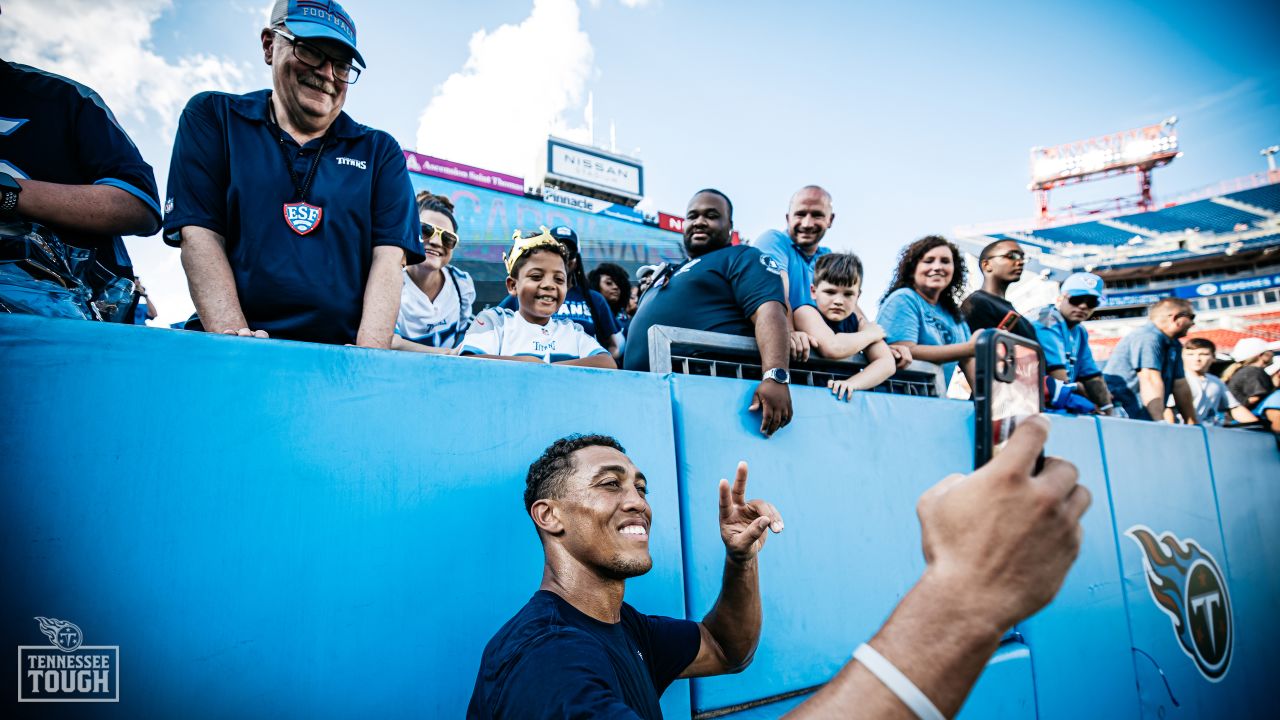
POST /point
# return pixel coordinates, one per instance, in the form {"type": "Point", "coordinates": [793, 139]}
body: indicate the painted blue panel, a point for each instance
{"type": "Point", "coordinates": [1006, 688]}
{"type": "Point", "coordinates": [1159, 478]}
{"type": "Point", "coordinates": [1246, 475]}
{"type": "Point", "coordinates": [1083, 635]}
{"type": "Point", "coordinates": [286, 529]}
{"type": "Point", "coordinates": [845, 477]}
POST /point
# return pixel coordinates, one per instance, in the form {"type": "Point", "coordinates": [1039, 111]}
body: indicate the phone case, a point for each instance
{"type": "Point", "coordinates": [986, 358]}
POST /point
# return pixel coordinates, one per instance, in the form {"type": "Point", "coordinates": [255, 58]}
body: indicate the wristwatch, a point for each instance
{"type": "Point", "coordinates": [778, 375]}
{"type": "Point", "coordinates": [9, 189]}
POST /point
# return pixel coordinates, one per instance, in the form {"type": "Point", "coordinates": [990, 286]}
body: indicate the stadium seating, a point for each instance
{"type": "Point", "coordinates": [1267, 315]}
{"type": "Point", "coordinates": [1090, 233]}
{"type": "Point", "coordinates": [1266, 331]}
{"type": "Point", "coordinates": [1204, 215]}
{"type": "Point", "coordinates": [1266, 197]}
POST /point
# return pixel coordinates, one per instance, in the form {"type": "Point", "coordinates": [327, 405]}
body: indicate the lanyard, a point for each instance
{"type": "Point", "coordinates": [300, 188]}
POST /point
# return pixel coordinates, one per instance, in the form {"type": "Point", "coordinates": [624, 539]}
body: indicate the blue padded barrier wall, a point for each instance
{"type": "Point", "coordinates": [272, 529]}
{"type": "Point", "coordinates": [284, 529]}
{"type": "Point", "coordinates": [1247, 481]}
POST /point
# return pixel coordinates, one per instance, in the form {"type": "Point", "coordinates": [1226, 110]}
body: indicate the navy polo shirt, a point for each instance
{"type": "Point", "coordinates": [227, 175]}
{"type": "Point", "coordinates": [56, 130]}
{"type": "Point", "coordinates": [718, 292]}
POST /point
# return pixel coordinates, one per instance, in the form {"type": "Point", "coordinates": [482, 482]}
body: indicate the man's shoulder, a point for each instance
{"type": "Point", "coordinates": [771, 239]}
{"type": "Point", "coordinates": [538, 625]}
{"type": "Point", "coordinates": [1048, 317]}
{"type": "Point", "coordinates": [48, 84]}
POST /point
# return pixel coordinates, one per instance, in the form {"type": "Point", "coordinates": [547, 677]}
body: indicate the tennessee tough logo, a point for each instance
{"type": "Point", "coordinates": [1187, 584]}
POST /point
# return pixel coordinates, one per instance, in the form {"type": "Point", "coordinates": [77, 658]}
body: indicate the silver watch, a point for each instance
{"type": "Point", "coordinates": [778, 375]}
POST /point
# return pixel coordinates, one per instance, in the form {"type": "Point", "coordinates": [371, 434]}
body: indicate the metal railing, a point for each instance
{"type": "Point", "coordinates": [698, 352]}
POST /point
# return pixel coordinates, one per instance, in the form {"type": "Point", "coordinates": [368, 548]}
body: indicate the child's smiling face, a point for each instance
{"type": "Point", "coordinates": [836, 302]}
{"type": "Point", "coordinates": [540, 286]}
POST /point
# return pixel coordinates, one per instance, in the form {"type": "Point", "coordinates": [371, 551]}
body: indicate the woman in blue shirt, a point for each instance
{"type": "Point", "coordinates": [921, 308]}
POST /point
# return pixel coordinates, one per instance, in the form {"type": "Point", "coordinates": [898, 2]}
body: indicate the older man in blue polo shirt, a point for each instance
{"type": "Point", "coordinates": [294, 220]}
{"type": "Point", "coordinates": [1146, 366]}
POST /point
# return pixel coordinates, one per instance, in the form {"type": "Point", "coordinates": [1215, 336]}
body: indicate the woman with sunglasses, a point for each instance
{"type": "Point", "coordinates": [435, 298]}
{"type": "Point", "coordinates": [921, 308]}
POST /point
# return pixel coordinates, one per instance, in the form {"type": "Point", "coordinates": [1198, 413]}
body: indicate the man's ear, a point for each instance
{"type": "Point", "coordinates": [511, 285]}
{"type": "Point", "coordinates": [268, 45]}
{"type": "Point", "coordinates": [546, 515]}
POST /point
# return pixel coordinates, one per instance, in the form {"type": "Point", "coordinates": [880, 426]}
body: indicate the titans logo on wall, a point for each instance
{"type": "Point", "coordinates": [1186, 583]}
{"type": "Point", "coordinates": [302, 217]}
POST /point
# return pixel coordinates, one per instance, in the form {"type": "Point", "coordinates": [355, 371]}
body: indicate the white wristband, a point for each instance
{"type": "Point", "coordinates": [897, 683]}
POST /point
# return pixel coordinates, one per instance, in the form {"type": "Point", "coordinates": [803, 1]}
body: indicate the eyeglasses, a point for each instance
{"type": "Point", "coordinates": [448, 239]}
{"type": "Point", "coordinates": [1088, 301]}
{"type": "Point", "coordinates": [313, 57]}
{"type": "Point", "coordinates": [1014, 256]}
{"type": "Point", "coordinates": [1188, 315]}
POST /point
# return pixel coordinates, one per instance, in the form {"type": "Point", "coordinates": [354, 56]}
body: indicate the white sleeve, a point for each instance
{"type": "Point", "coordinates": [587, 345]}
{"type": "Point", "coordinates": [484, 337]}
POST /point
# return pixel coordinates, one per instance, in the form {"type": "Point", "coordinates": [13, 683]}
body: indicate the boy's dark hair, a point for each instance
{"type": "Point", "coordinates": [619, 276]}
{"type": "Point", "coordinates": [524, 257]}
{"type": "Point", "coordinates": [436, 203]}
{"type": "Point", "coordinates": [547, 474]}
{"type": "Point", "coordinates": [724, 197]}
{"type": "Point", "coordinates": [990, 249]}
{"type": "Point", "coordinates": [1201, 344]}
{"type": "Point", "coordinates": [842, 269]}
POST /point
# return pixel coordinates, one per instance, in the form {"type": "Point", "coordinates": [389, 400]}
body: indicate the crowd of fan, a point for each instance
{"type": "Point", "coordinates": [296, 222]}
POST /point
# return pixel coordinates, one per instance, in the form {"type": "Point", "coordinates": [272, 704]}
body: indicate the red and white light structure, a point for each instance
{"type": "Point", "coordinates": [1139, 151]}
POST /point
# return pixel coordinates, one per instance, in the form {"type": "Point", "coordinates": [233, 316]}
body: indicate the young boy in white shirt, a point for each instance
{"type": "Point", "coordinates": [538, 278]}
{"type": "Point", "coordinates": [1212, 399]}
{"type": "Point", "coordinates": [837, 329]}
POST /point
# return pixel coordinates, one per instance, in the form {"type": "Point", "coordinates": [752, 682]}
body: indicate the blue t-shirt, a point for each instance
{"type": "Point", "coordinates": [56, 130]}
{"type": "Point", "coordinates": [1065, 348]}
{"type": "Point", "coordinates": [227, 175]}
{"type": "Point", "coordinates": [1144, 348]}
{"type": "Point", "coordinates": [553, 661]}
{"type": "Point", "coordinates": [908, 317]}
{"type": "Point", "coordinates": [797, 267]}
{"type": "Point", "coordinates": [717, 292]}
{"type": "Point", "coordinates": [1270, 402]}
{"type": "Point", "coordinates": [577, 308]}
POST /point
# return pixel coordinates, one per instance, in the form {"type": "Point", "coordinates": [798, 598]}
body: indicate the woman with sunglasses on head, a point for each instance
{"type": "Point", "coordinates": [921, 308]}
{"type": "Point", "coordinates": [436, 298]}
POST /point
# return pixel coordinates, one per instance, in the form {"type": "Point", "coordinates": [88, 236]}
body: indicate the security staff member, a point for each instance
{"type": "Point", "coordinates": [294, 220]}
{"type": "Point", "coordinates": [723, 288]}
{"type": "Point", "coordinates": [66, 163]}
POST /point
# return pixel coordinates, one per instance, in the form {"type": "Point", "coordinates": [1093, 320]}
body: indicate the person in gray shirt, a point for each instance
{"type": "Point", "coordinates": [1146, 367]}
{"type": "Point", "coordinates": [1214, 402]}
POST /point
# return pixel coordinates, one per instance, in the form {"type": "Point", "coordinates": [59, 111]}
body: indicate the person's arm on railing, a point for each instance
{"type": "Point", "coordinates": [381, 298]}
{"type": "Point", "coordinates": [881, 368]}
{"type": "Point", "coordinates": [100, 209]}
{"type": "Point", "coordinates": [1186, 405]}
{"type": "Point", "coordinates": [773, 337]}
{"type": "Point", "coordinates": [1151, 393]}
{"type": "Point", "coordinates": [212, 285]}
{"type": "Point", "coordinates": [998, 544]}
{"type": "Point", "coordinates": [831, 344]}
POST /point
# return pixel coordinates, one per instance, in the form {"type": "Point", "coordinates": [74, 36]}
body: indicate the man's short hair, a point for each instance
{"type": "Point", "coordinates": [547, 474]}
{"type": "Point", "coordinates": [1168, 303]}
{"type": "Point", "coordinates": [990, 249]}
{"type": "Point", "coordinates": [724, 197]}
{"type": "Point", "coordinates": [840, 269]}
{"type": "Point", "coordinates": [1200, 343]}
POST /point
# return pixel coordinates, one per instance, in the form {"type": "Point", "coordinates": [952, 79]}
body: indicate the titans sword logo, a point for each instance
{"type": "Point", "coordinates": [1187, 584]}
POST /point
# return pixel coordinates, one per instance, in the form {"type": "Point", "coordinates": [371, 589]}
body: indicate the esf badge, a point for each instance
{"type": "Point", "coordinates": [1187, 583]}
{"type": "Point", "coordinates": [303, 217]}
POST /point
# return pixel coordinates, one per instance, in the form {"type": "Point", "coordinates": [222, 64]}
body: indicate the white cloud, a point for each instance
{"type": "Point", "coordinates": [515, 88]}
{"type": "Point", "coordinates": [108, 47]}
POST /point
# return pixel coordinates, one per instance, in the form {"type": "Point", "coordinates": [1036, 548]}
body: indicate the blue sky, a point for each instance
{"type": "Point", "coordinates": [918, 117]}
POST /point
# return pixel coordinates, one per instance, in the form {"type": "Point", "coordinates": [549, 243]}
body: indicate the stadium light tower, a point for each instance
{"type": "Point", "coordinates": [1139, 151]}
{"type": "Point", "coordinates": [1270, 154]}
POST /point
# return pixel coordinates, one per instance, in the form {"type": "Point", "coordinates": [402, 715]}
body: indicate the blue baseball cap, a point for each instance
{"type": "Point", "coordinates": [566, 235]}
{"type": "Point", "coordinates": [1082, 284]}
{"type": "Point", "coordinates": [317, 19]}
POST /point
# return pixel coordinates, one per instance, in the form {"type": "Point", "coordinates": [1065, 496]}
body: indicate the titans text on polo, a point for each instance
{"type": "Point", "coordinates": [56, 130]}
{"type": "Point", "coordinates": [301, 282]}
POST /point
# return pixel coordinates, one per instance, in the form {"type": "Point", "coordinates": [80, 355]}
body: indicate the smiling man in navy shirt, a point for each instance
{"type": "Point", "coordinates": [294, 220]}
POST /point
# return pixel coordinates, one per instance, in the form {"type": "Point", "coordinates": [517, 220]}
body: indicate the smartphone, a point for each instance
{"type": "Point", "coordinates": [1010, 319]}
{"type": "Point", "coordinates": [1008, 387]}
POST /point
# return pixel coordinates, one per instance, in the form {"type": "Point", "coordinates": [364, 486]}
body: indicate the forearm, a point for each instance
{"type": "Point", "coordinates": [735, 619]}
{"type": "Point", "coordinates": [1186, 406]}
{"type": "Point", "coordinates": [773, 332]}
{"type": "Point", "coordinates": [602, 360]}
{"type": "Point", "coordinates": [101, 209]}
{"type": "Point", "coordinates": [1095, 389]}
{"type": "Point", "coordinates": [940, 354]}
{"type": "Point", "coordinates": [381, 298]}
{"type": "Point", "coordinates": [881, 368]}
{"type": "Point", "coordinates": [209, 279]}
{"type": "Point", "coordinates": [938, 637]}
{"type": "Point", "coordinates": [843, 345]}
{"type": "Point", "coordinates": [1241, 415]}
{"type": "Point", "coordinates": [399, 343]}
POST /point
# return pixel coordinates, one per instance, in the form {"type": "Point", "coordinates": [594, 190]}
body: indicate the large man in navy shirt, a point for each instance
{"type": "Point", "coordinates": [293, 219]}
{"type": "Point", "coordinates": [723, 288]}
{"type": "Point", "coordinates": [66, 163]}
